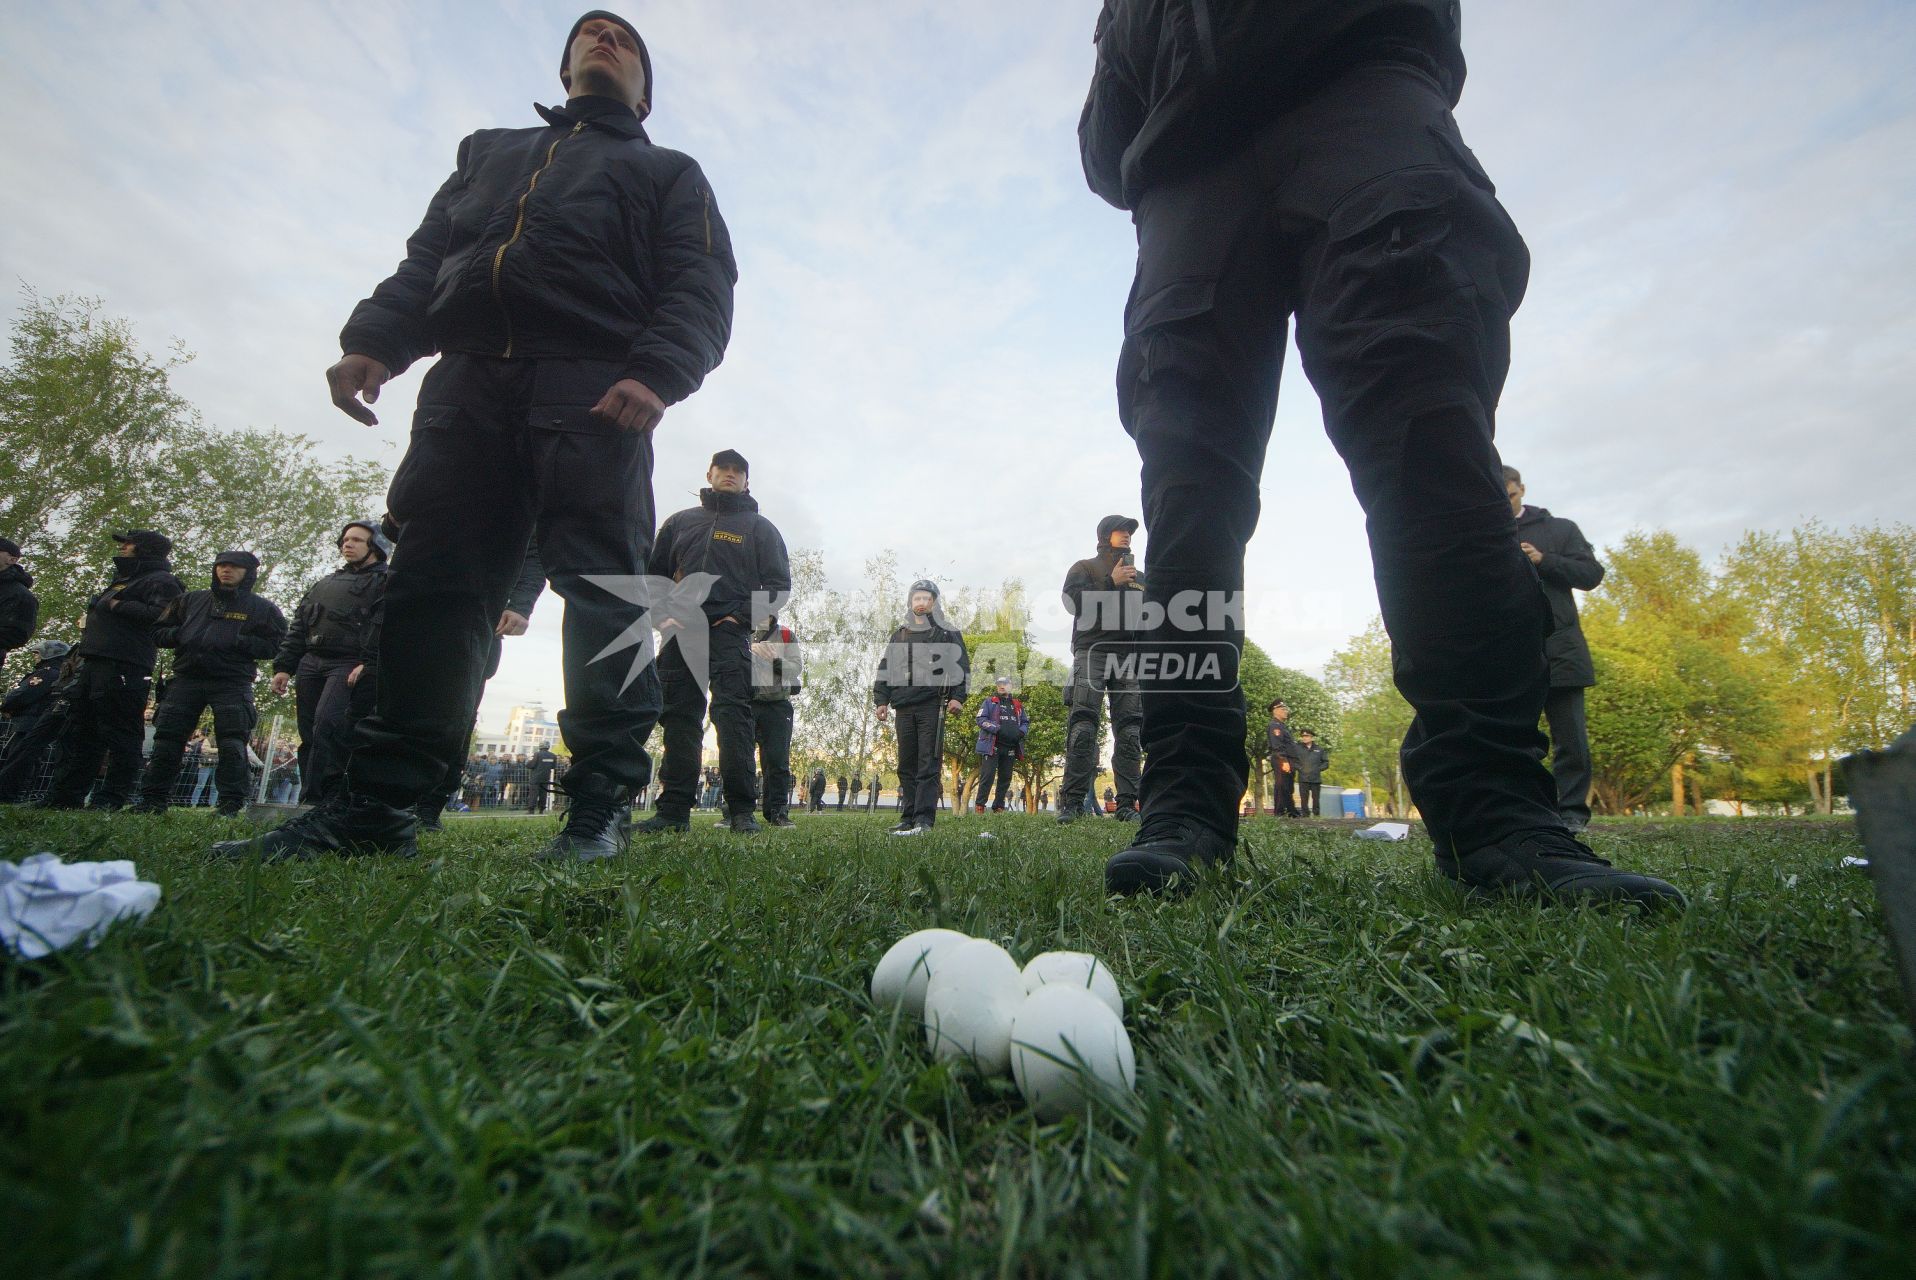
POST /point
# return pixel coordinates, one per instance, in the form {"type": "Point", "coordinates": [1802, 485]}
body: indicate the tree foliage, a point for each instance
{"type": "Point", "coordinates": [1373, 717]}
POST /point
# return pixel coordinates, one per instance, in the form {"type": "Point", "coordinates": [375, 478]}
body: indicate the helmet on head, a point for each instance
{"type": "Point", "coordinates": [382, 545]}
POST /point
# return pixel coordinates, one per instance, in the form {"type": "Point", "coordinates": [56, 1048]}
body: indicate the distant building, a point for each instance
{"type": "Point", "coordinates": [527, 729]}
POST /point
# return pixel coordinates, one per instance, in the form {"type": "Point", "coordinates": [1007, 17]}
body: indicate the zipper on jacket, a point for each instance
{"type": "Point", "coordinates": [707, 193]}
{"type": "Point", "coordinates": [519, 226]}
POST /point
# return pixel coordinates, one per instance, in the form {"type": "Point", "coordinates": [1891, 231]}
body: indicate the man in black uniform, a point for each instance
{"type": "Point", "coordinates": [576, 281]}
{"type": "Point", "coordinates": [36, 711]}
{"type": "Point", "coordinates": [219, 637]}
{"type": "Point", "coordinates": [1280, 748]}
{"type": "Point", "coordinates": [332, 634]}
{"type": "Point", "coordinates": [922, 676]}
{"type": "Point", "coordinates": [1105, 596]}
{"type": "Point", "coordinates": [817, 790]}
{"type": "Point", "coordinates": [1282, 159]}
{"type": "Point", "coordinates": [728, 541]}
{"type": "Point", "coordinates": [19, 607]}
{"type": "Point", "coordinates": [1565, 563]}
{"type": "Point", "coordinates": [1312, 760]}
{"type": "Point", "coordinates": [777, 672]}
{"type": "Point", "coordinates": [107, 709]}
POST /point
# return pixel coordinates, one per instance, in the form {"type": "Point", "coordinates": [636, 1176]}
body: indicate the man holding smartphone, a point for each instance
{"type": "Point", "coordinates": [1105, 595]}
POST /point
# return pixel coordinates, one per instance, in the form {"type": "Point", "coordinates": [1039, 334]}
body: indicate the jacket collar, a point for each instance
{"type": "Point", "coordinates": [126, 567]}
{"type": "Point", "coordinates": [16, 573]}
{"type": "Point", "coordinates": [601, 113]}
{"type": "Point", "coordinates": [713, 500]}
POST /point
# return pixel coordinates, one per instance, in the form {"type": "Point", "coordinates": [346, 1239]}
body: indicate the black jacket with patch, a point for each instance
{"type": "Point", "coordinates": [578, 240]}
{"type": "Point", "coordinates": [1182, 83]}
{"type": "Point", "coordinates": [1569, 565]}
{"type": "Point", "coordinates": [28, 699]}
{"type": "Point", "coordinates": [725, 535]}
{"type": "Point", "coordinates": [338, 617]}
{"type": "Point", "coordinates": [120, 620]}
{"type": "Point", "coordinates": [222, 633]}
{"type": "Point", "coordinates": [923, 662]}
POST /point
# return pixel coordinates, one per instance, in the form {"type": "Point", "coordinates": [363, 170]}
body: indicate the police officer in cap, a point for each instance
{"type": "Point", "coordinates": [727, 539]}
{"type": "Point", "coordinates": [1104, 594]}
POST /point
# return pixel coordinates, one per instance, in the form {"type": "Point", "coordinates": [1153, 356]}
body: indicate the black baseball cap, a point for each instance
{"type": "Point", "coordinates": [9, 546]}
{"type": "Point", "coordinates": [731, 458]}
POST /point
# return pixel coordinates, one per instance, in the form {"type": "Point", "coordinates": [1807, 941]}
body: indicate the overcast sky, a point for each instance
{"type": "Point", "coordinates": [1718, 198]}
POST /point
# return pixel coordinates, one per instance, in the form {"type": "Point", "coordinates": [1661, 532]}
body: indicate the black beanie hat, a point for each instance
{"type": "Point", "coordinates": [645, 56]}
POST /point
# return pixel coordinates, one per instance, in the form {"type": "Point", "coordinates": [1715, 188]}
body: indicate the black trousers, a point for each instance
{"type": "Point", "coordinates": [1307, 797]}
{"type": "Point", "coordinates": [1569, 755]}
{"type": "Point", "coordinates": [1283, 792]}
{"type": "Point", "coordinates": [499, 449]}
{"type": "Point", "coordinates": [729, 672]}
{"type": "Point", "coordinates": [994, 775]}
{"type": "Point", "coordinates": [106, 720]}
{"type": "Point", "coordinates": [921, 733]}
{"type": "Point", "coordinates": [323, 704]}
{"type": "Point", "coordinates": [181, 706]}
{"type": "Point", "coordinates": [1361, 213]}
{"type": "Point", "coordinates": [1093, 685]}
{"type": "Point", "coordinates": [772, 729]}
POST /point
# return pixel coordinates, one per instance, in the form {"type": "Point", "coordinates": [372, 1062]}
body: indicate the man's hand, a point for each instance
{"type": "Point", "coordinates": [280, 682]}
{"type": "Point", "coordinates": [954, 706]}
{"type": "Point", "coordinates": [352, 677]}
{"type": "Point", "coordinates": [1536, 556]}
{"type": "Point", "coordinates": [360, 376]}
{"type": "Point", "coordinates": [884, 713]}
{"type": "Point", "coordinates": [630, 406]}
{"type": "Point", "coordinates": [1124, 575]}
{"type": "Point", "coordinates": [511, 624]}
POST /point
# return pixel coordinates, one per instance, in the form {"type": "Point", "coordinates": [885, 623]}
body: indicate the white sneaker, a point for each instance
{"type": "Point", "coordinates": [911, 831]}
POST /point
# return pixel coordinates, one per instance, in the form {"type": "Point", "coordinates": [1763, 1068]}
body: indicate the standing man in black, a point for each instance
{"type": "Point", "coordinates": [816, 789]}
{"type": "Point", "coordinates": [777, 673]}
{"type": "Point", "coordinates": [19, 607]}
{"type": "Point", "coordinates": [726, 539]}
{"type": "Point", "coordinates": [1280, 160]}
{"type": "Point", "coordinates": [1105, 596]}
{"type": "Point", "coordinates": [219, 636]}
{"type": "Point", "coordinates": [333, 630]}
{"type": "Point", "coordinates": [107, 707]}
{"type": "Point", "coordinates": [539, 769]}
{"type": "Point", "coordinates": [1312, 760]}
{"type": "Point", "coordinates": [1280, 748]}
{"type": "Point", "coordinates": [1565, 563]}
{"type": "Point", "coordinates": [922, 677]}
{"type": "Point", "coordinates": [576, 280]}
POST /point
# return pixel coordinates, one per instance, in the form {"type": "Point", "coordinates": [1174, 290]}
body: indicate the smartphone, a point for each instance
{"type": "Point", "coordinates": [1128, 560]}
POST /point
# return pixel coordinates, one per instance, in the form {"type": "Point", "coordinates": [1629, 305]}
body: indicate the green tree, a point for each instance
{"type": "Point", "coordinates": [1312, 707]}
{"type": "Point", "coordinates": [98, 440]}
{"type": "Point", "coordinates": [1638, 729]}
{"type": "Point", "coordinates": [1834, 614]}
{"type": "Point", "coordinates": [1661, 603]}
{"type": "Point", "coordinates": [1373, 718]}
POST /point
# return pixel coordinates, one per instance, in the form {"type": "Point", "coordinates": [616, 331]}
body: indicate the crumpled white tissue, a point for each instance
{"type": "Point", "coordinates": [1385, 831]}
{"type": "Point", "coordinates": [47, 905]}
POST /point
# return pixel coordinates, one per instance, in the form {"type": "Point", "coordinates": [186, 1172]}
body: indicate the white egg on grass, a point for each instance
{"type": "Point", "coordinates": [902, 974]}
{"type": "Point", "coordinates": [1078, 969]}
{"type": "Point", "coordinates": [1060, 1036]}
{"type": "Point", "coordinates": [975, 988]}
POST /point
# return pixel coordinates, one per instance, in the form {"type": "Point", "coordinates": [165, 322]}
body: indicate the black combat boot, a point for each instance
{"type": "Point", "coordinates": [743, 824]}
{"type": "Point", "coordinates": [346, 825]}
{"type": "Point", "coordinates": [1555, 866]}
{"type": "Point", "coordinates": [1167, 857]}
{"type": "Point", "coordinates": [598, 822]}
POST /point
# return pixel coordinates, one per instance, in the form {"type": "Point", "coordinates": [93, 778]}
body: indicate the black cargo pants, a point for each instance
{"type": "Point", "coordinates": [106, 720]}
{"type": "Point", "coordinates": [728, 682]}
{"type": "Point", "coordinates": [1362, 213]}
{"type": "Point", "coordinates": [500, 448]}
{"type": "Point", "coordinates": [186, 699]}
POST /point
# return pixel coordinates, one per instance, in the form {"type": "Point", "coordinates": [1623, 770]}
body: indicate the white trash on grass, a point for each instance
{"type": "Point", "coordinates": [47, 905]}
{"type": "Point", "coordinates": [1385, 831]}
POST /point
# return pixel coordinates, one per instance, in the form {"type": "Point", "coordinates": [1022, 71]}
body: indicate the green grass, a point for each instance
{"type": "Point", "coordinates": [476, 1065]}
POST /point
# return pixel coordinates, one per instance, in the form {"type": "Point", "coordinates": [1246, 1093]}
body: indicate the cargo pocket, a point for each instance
{"type": "Point", "coordinates": [1166, 332]}
{"type": "Point", "coordinates": [1388, 237]}
{"type": "Point", "coordinates": [422, 473]}
{"type": "Point", "coordinates": [595, 491]}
